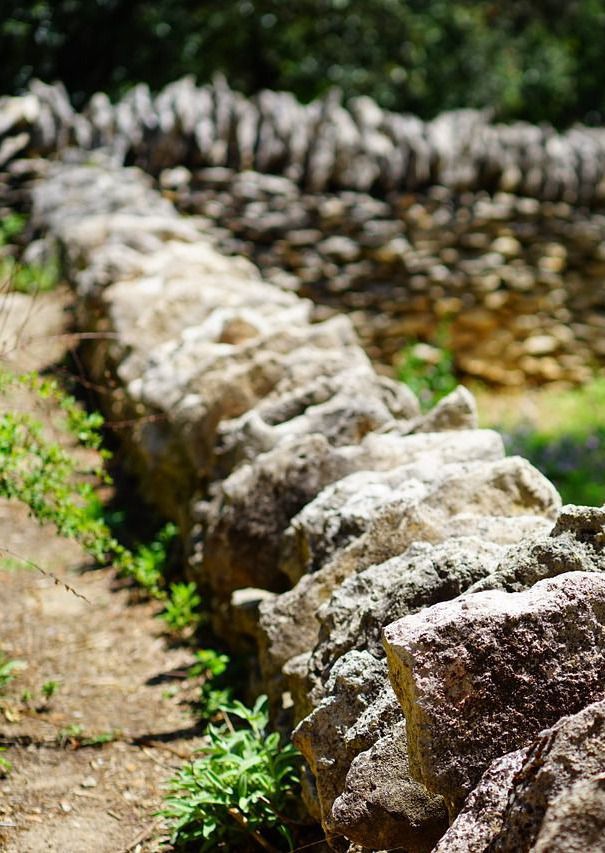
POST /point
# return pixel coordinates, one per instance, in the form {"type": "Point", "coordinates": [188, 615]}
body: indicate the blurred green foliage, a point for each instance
{"type": "Point", "coordinates": [429, 371]}
{"type": "Point", "coordinates": [535, 60]}
{"type": "Point", "coordinates": [566, 441]}
{"type": "Point", "coordinates": [26, 278]}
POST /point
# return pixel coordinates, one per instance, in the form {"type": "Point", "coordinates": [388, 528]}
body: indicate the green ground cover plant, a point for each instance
{"type": "Point", "coordinates": [60, 488]}
{"type": "Point", "coordinates": [241, 792]}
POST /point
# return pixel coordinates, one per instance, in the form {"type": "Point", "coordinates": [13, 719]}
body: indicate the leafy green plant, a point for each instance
{"type": "Point", "coordinates": [211, 666]}
{"type": "Point", "coordinates": [49, 688]}
{"type": "Point", "coordinates": [146, 564]}
{"type": "Point", "coordinates": [29, 278]}
{"type": "Point", "coordinates": [182, 607]}
{"type": "Point", "coordinates": [240, 791]}
{"type": "Point", "coordinates": [208, 663]}
{"type": "Point", "coordinates": [11, 226]}
{"type": "Point", "coordinates": [60, 489]}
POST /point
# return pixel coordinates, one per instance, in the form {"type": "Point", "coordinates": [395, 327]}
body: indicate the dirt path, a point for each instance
{"type": "Point", "coordinates": [118, 678]}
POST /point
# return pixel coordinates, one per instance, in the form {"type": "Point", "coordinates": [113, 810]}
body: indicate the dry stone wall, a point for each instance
{"type": "Point", "coordinates": [375, 555]}
{"type": "Point", "coordinates": [513, 285]}
{"type": "Point", "coordinates": [495, 230]}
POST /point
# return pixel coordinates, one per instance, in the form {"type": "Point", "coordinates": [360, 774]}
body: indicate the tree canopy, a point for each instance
{"type": "Point", "coordinates": [539, 60]}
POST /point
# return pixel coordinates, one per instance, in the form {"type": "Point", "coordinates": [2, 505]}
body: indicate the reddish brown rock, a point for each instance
{"type": "Point", "coordinates": [480, 676]}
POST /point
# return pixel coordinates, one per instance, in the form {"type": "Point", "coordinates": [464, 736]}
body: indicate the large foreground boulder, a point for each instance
{"type": "Point", "coordinates": [480, 676]}
{"type": "Point", "coordinates": [548, 797]}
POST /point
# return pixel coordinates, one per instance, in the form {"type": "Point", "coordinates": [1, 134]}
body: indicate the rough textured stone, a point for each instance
{"type": "Point", "coordinates": [263, 428]}
{"type": "Point", "coordinates": [289, 623]}
{"type": "Point", "coordinates": [482, 817]}
{"type": "Point", "coordinates": [254, 506]}
{"type": "Point", "coordinates": [503, 231]}
{"type": "Point", "coordinates": [457, 410]}
{"type": "Point", "coordinates": [381, 807]}
{"type": "Point", "coordinates": [367, 601]}
{"type": "Point", "coordinates": [576, 543]}
{"type": "Point", "coordinates": [325, 406]}
{"type": "Point", "coordinates": [557, 801]}
{"type": "Point", "coordinates": [509, 487]}
{"type": "Point", "coordinates": [359, 709]}
{"type": "Point", "coordinates": [344, 511]}
{"type": "Point", "coordinates": [549, 796]}
{"type": "Point", "coordinates": [477, 665]}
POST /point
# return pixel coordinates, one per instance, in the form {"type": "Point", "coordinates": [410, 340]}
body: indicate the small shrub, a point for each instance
{"type": "Point", "coordinates": [182, 607]}
{"type": "Point", "coordinates": [428, 371]}
{"type": "Point", "coordinates": [240, 791]}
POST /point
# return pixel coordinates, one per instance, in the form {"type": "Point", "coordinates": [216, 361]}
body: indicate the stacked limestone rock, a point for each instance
{"type": "Point", "coordinates": [322, 510]}
{"type": "Point", "coordinates": [495, 229]}
{"type": "Point", "coordinates": [318, 145]}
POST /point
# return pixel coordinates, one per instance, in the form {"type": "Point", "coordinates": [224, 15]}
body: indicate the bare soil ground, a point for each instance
{"type": "Point", "coordinates": [119, 677]}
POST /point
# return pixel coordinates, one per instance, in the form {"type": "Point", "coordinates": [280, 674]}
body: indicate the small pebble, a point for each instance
{"type": "Point", "coordinates": [89, 782]}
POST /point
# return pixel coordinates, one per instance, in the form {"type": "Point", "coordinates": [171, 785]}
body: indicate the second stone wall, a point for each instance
{"type": "Point", "coordinates": [512, 285]}
{"type": "Point", "coordinates": [495, 233]}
